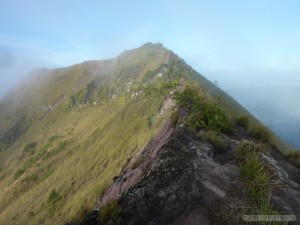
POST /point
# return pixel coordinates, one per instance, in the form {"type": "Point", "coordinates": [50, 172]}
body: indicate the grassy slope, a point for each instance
{"type": "Point", "coordinates": [80, 150]}
{"type": "Point", "coordinates": [100, 141]}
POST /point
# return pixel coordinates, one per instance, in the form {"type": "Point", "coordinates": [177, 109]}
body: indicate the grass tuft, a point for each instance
{"type": "Point", "coordinates": [294, 157]}
{"type": "Point", "coordinates": [262, 133]}
{"type": "Point", "coordinates": [243, 121]}
{"type": "Point", "coordinates": [219, 144]}
{"type": "Point", "coordinates": [109, 214]}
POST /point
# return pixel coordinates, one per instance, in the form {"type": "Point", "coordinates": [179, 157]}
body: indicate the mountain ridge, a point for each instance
{"type": "Point", "coordinates": [66, 138]}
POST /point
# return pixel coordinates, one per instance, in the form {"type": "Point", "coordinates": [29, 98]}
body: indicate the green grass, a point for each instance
{"type": "Point", "coordinates": [257, 178]}
{"type": "Point", "coordinates": [262, 133]}
{"type": "Point", "coordinates": [294, 157]}
{"type": "Point", "coordinates": [110, 213]}
{"type": "Point", "coordinates": [219, 144]}
{"type": "Point", "coordinates": [204, 113]}
{"type": "Point", "coordinates": [243, 121]}
{"type": "Point", "coordinates": [79, 150]}
{"type": "Point", "coordinates": [78, 155]}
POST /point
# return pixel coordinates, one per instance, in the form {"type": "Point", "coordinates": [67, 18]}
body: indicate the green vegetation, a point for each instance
{"type": "Point", "coordinates": [48, 145]}
{"type": "Point", "coordinates": [203, 112]}
{"type": "Point", "coordinates": [294, 157]}
{"type": "Point", "coordinates": [262, 133]}
{"type": "Point", "coordinates": [243, 121]}
{"type": "Point", "coordinates": [53, 201]}
{"type": "Point", "coordinates": [99, 146]}
{"type": "Point", "coordinates": [109, 214]}
{"type": "Point", "coordinates": [257, 178]}
{"type": "Point", "coordinates": [29, 148]}
{"type": "Point", "coordinates": [162, 90]}
{"type": "Point", "coordinates": [174, 117]}
{"type": "Point", "coordinates": [219, 144]}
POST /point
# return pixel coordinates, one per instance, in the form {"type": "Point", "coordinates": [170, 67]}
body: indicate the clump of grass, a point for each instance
{"type": "Point", "coordinates": [174, 117]}
{"type": "Point", "coordinates": [19, 172]}
{"type": "Point", "coordinates": [246, 148]}
{"type": "Point", "coordinates": [109, 214]}
{"type": "Point", "coordinates": [216, 140]}
{"type": "Point", "coordinates": [263, 207]}
{"type": "Point", "coordinates": [262, 133]}
{"type": "Point", "coordinates": [52, 201]}
{"type": "Point", "coordinates": [294, 157]}
{"type": "Point", "coordinates": [53, 138]}
{"type": "Point", "coordinates": [29, 148]}
{"type": "Point", "coordinates": [243, 121]}
{"type": "Point", "coordinates": [138, 162]}
{"type": "Point", "coordinates": [256, 176]}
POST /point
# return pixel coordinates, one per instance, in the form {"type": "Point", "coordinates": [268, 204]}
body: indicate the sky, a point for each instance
{"type": "Point", "coordinates": [236, 42]}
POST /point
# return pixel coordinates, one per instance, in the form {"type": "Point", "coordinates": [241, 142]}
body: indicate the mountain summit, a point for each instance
{"type": "Point", "coordinates": [138, 139]}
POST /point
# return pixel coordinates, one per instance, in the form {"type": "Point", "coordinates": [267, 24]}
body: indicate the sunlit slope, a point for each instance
{"type": "Point", "coordinates": [73, 130]}
{"type": "Point", "coordinates": [65, 133]}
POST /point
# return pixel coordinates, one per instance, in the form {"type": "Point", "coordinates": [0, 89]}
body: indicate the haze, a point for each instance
{"type": "Point", "coordinates": [238, 43]}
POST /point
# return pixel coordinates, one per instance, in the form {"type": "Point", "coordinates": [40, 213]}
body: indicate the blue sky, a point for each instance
{"type": "Point", "coordinates": [226, 40]}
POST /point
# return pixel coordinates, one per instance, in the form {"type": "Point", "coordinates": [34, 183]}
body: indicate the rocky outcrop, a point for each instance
{"type": "Point", "coordinates": [138, 165]}
{"type": "Point", "coordinates": [183, 180]}
{"type": "Point", "coordinates": [186, 186]}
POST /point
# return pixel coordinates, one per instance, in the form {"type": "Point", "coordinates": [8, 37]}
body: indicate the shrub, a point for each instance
{"type": "Point", "coordinates": [203, 113]}
{"type": "Point", "coordinates": [109, 214]}
{"type": "Point", "coordinates": [243, 121]}
{"type": "Point", "coordinates": [52, 201]}
{"type": "Point", "coordinates": [216, 118]}
{"type": "Point", "coordinates": [262, 133]}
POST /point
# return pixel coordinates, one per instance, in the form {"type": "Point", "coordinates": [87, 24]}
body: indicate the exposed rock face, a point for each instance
{"type": "Point", "coordinates": [133, 173]}
{"type": "Point", "coordinates": [185, 181]}
{"type": "Point", "coordinates": [186, 186]}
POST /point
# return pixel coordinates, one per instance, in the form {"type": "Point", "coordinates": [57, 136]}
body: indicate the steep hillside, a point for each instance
{"type": "Point", "coordinates": [67, 135]}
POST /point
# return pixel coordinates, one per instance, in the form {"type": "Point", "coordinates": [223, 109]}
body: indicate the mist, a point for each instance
{"type": "Point", "coordinates": [272, 97]}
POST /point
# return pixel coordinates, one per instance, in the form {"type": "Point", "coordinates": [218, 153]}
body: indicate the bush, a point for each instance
{"type": "Point", "coordinates": [52, 201]}
{"type": "Point", "coordinates": [109, 214]}
{"type": "Point", "coordinates": [262, 133]}
{"type": "Point", "coordinates": [243, 121]}
{"type": "Point", "coordinates": [203, 113]}
{"type": "Point", "coordinates": [216, 118]}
